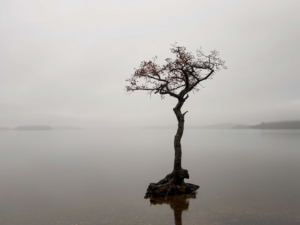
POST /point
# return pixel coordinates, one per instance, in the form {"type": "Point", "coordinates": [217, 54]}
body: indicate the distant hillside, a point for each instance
{"type": "Point", "coordinates": [67, 128]}
{"type": "Point", "coordinates": [214, 126]}
{"type": "Point", "coordinates": [272, 125]}
{"type": "Point", "coordinates": [34, 127]}
{"type": "Point", "coordinates": [240, 126]}
{"type": "Point", "coordinates": [159, 127]}
{"type": "Point", "coordinates": [4, 128]}
{"type": "Point", "coordinates": [278, 125]}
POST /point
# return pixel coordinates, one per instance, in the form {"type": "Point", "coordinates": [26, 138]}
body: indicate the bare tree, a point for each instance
{"type": "Point", "coordinates": [177, 78]}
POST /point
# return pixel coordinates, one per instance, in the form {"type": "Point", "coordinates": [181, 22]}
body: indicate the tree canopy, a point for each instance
{"type": "Point", "coordinates": [177, 77]}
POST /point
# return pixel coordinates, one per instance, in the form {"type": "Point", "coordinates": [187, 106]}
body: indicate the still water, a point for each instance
{"type": "Point", "coordinates": [100, 177]}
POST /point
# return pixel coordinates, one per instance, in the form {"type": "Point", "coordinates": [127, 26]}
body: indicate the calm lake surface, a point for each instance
{"type": "Point", "coordinates": [100, 177]}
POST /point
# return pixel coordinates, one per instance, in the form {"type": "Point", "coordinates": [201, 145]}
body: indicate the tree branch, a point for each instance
{"type": "Point", "coordinates": [177, 77]}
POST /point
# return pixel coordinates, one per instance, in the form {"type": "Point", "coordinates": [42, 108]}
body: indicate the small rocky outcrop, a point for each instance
{"type": "Point", "coordinates": [159, 190]}
{"type": "Point", "coordinates": [170, 186]}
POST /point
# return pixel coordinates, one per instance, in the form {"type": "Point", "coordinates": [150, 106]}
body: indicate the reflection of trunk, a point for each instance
{"type": "Point", "coordinates": [178, 217]}
{"type": "Point", "coordinates": [177, 203]}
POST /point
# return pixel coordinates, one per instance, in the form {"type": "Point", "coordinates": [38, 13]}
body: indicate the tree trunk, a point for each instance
{"type": "Point", "coordinates": [178, 173]}
{"type": "Point", "coordinates": [173, 183]}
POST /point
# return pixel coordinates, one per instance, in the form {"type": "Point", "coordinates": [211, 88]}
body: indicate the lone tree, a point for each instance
{"type": "Point", "coordinates": [177, 78]}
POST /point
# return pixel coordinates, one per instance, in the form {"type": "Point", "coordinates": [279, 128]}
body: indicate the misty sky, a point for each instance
{"type": "Point", "coordinates": [64, 62]}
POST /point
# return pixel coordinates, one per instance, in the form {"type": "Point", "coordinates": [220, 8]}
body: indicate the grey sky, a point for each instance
{"type": "Point", "coordinates": [64, 62]}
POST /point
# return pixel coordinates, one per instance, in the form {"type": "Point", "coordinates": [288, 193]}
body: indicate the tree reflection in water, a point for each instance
{"type": "Point", "coordinates": [178, 203]}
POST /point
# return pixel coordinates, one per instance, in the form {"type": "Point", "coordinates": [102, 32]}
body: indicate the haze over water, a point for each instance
{"type": "Point", "coordinates": [65, 62]}
{"type": "Point", "coordinates": [100, 176]}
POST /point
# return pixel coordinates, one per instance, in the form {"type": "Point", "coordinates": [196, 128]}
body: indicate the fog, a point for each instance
{"type": "Point", "coordinates": [65, 62]}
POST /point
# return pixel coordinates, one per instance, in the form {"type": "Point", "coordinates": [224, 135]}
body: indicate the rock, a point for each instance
{"type": "Point", "coordinates": [158, 190]}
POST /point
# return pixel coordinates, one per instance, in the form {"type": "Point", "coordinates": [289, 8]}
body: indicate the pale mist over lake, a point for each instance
{"type": "Point", "coordinates": [88, 92]}
{"type": "Point", "coordinates": [100, 176]}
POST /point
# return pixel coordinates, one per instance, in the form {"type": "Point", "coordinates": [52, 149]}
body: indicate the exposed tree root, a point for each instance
{"type": "Point", "coordinates": [170, 186]}
{"type": "Point", "coordinates": [165, 190]}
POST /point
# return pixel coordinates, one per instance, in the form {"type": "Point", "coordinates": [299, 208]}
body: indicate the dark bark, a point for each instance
{"type": "Point", "coordinates": [173, 183]}
{"type": "Point", "coordinates": [178, 173]}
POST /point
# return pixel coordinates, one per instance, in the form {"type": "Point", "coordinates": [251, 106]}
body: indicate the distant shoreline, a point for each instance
{"type": "Point", "coordinates": [34, 127]}
{"type": "Point", "coordinates": [39, 128]}
{"type": "Point", "coordinates": [276, 125]}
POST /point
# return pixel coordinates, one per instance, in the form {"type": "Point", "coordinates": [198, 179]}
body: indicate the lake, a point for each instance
{"type": "Point", "coordinates": [100, 177]}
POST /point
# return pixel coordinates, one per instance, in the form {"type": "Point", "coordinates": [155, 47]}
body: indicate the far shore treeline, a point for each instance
{"type": "Point", "coordinates": [272, 125]}
{"type": "Point", "coordinates": [41, 127]}
{"type": "Point", "coordinates": [295, 124]}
